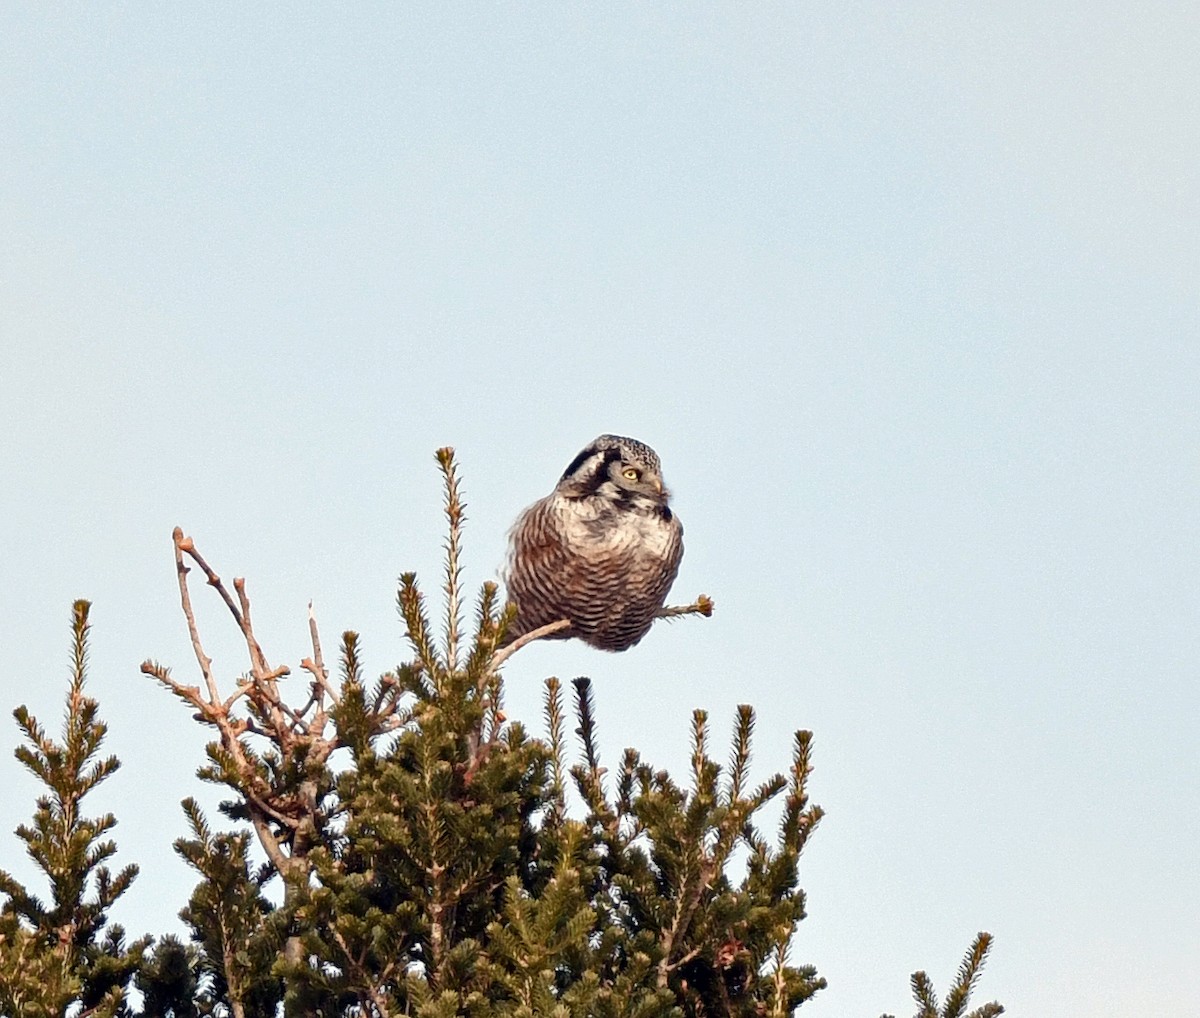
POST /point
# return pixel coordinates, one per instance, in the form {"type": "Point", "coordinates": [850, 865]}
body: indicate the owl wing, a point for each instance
{"type": "Point", "coordinates": [542, 570]}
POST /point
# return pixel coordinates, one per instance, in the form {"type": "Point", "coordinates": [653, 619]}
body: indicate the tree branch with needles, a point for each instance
{"type": "Point", "coordinates": [275, 755]}
{"type": "Point", "coordinates": [256, 710]}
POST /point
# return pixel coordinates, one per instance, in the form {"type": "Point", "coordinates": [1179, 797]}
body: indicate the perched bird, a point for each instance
{"type": "Point", "coordinates": [602, 549]}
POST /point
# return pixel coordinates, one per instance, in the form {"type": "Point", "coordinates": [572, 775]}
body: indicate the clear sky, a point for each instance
{"type": "Point", "coordinates": [905, 296]}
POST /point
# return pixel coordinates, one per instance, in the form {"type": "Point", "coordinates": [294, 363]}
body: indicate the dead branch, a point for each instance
{"type": "Point", "coordinates": [185, 597]}
{"type": "Point", "coordinates": [315, 665]}
{"type": "Point", "coordinates": [279, 816]}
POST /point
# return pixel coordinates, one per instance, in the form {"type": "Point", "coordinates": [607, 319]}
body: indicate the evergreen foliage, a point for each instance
{"type": "Point", "coordinates": [229, 917]}
{"type": "Point", "coordinates": [436, 859]}
{"type": "Point", "coordinates": [960, 993]}
{"type": "Point", "coordinates": [64, 951]}
{"type": "Point", "coordinates": [169, 981]}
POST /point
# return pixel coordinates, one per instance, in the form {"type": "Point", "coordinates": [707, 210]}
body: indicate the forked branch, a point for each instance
{"type": "Point", "coordinates": [283, 810]}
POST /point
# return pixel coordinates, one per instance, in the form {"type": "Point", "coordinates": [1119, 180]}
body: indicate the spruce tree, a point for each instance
{"type": "Point", "coordinates": [434, 858]}
{"type": "Point", "coordinates": [63, 952]}
{"type": "Point", "coordinates": [959, 996]}
{"type": "Point", "coordinates": [441, 866]}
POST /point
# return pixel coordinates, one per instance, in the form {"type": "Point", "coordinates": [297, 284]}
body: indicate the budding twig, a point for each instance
{"type": "Point", "coordinates": [703, 605]}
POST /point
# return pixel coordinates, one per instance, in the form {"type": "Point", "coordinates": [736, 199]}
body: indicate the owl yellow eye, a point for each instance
{"type": "Point", "coordinates": [630, 474]}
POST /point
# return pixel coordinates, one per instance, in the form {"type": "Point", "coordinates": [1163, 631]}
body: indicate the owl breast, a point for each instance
{"type": "Point", "coordinates": [605, 567]}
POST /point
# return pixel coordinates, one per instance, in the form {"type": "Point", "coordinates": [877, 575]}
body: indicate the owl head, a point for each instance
{"type": "Point", "coordinates": [622, 469]}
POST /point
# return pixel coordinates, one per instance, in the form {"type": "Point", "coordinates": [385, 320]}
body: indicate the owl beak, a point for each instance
{"type": "Point", "coordinates": [658, 485]}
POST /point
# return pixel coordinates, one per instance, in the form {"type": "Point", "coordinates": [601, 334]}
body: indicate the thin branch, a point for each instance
{"type": "Point", "coordinates": [691, 955]}
{"type": "Point", "coordinates": [378, 1001]}
{"type": "Point", "coordinates": [256, 654]}
{"type": "Point", "coordinates": [703, 605]}
{"type": "Point", "coordinates": [183, 544]}
{"type": "Point", "coordinates": [685, 908]}
{"type": "Point", "coordinates": [265, 675]}
{"type": "Point", "coordinates": [549, 629]}
{"type": "Point", "coordinates": [265, 807]}
{"type": "Point", "coordinates": [266, 838]}
{"type": "Point", "coordinates": [315, 665]}
{"type": "Point", "coordinates": [779, 977]}
{"type": "Point", "coordinates": [268, 692]}
{"type": "Point", "coordinates": [258, 660]}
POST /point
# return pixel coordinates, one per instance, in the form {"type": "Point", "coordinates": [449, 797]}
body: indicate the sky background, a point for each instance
{"type": "Point", "coordinates": [905, 297]}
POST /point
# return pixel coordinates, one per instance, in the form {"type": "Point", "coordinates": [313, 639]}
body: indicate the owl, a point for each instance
{"type": "Point", "coordinates": [602, 549]}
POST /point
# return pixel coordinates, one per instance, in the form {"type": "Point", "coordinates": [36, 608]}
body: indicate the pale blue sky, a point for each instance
{"type": "Point", "coordinates": [905, 296]}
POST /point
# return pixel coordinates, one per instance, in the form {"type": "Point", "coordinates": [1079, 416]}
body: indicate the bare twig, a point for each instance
{"type": "Point", "coordinates": [703, 605]}
{"type": "Point", "coordinates": [264, 675]}
{"type": "Point", "coordinates": [281, 817]}
{"type": "Point", "coordinates": [315, 665]}
{"type": "Point", "coordinates": [185, 544]}
{"type": "Point", "coordinates": [549, 629]}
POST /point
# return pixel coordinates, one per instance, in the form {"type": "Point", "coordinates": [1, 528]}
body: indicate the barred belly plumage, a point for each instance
{"type": "Point", "coordinates": [601, 551]}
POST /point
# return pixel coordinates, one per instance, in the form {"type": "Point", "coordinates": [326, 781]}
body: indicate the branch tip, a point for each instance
{"type": "Point", "coordinates": [703, 605]}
